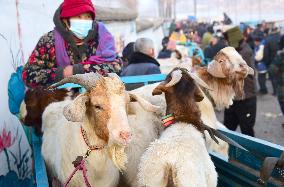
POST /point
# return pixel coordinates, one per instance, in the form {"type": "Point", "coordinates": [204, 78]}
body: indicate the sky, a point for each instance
{"type": "Point", "coordinates": [238, 10]}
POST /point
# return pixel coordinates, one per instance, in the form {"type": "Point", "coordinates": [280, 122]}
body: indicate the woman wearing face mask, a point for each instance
{"type": "Point", "coordinates": [77, 45]}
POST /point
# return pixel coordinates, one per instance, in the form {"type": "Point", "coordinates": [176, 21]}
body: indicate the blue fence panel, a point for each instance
{"type": "Point", "coordinates": [130, 80]}
{"type": "Point", "coordinates": [143, 78]}
{"type": "Point", "coordinates": [40, 170]}
{"type": "Point", "coordinates": [243, 166]}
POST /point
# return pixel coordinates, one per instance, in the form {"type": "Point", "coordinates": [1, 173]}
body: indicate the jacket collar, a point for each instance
{"type": "Point", "coordinates": [138, 57]}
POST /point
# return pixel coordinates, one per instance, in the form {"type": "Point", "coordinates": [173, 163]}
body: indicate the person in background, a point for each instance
{"type": "Point", "coordinates": [178, 36]}
{"type": "Point", "coordinates": [277, 68]}
{"type": "Point", "coordinates": [77, 45]}
{"type": "Point", "coordinates": [142, 61]}
{"type": "Point", "coordinates": [270, 50]}
{"type": "Point", "coordinates": [165, 52]}
{"type": "Point", "coordinates": [243, 110]}
{"type": "Point", "coordinates": [126, 53]}
{"type": "Point", "coordinates": [247, 33]}
{"type": "Point", "coordinates": [196, 38]}
{"type": "Point", "coordinates": [261, 67]}
{"type": "Point", "coordinates": [216, 44]}
{"type": "Point", "coordinates": [206, 38]}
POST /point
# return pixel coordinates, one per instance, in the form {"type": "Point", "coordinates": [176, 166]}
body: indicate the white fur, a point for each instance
{"type": "Point", "coordinates": [182, 149]}
{"type": "Point", "coordinates": [63, 142]}
{"type": "Point", "coordinates": [146, 127]}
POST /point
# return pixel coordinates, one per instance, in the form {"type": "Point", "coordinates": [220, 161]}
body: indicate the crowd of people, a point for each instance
{"type": "Point", "coordinates": [261, 47]}
{"type": "Point", "coordinates": [74, 47]}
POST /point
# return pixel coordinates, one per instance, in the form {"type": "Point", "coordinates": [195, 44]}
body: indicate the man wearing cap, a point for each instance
{"type": "Point", "coordinates": [77, 45]}
{"type": "Point", "coordinates": [243, 110]}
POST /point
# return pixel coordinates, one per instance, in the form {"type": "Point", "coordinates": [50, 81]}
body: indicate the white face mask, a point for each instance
{"type": "Point", "coordinates": [80, 28]}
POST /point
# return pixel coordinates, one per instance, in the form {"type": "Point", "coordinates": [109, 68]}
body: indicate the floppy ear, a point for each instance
{"type": "Point", "coordinates": [159, 89]}
{"type": "Point", "coordinates": [198, 95]}
{"type": "Point", "coordinates": [146, 105]}
{"type": "Point", "coordinates": [76, 110]}
{"type": "Point", "coordinates": [215, 69]}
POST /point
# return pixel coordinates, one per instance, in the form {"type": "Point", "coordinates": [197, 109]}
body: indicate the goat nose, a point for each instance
{"type": "Point", "coordinates": [124, 135]}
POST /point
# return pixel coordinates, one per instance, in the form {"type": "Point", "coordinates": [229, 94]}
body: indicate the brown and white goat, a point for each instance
{"type": "Point", "coordinates": [96, 118]}
{"type": "Point", "coordinates": [225, 75]}
{"type": "Point", "coordinates": [36, 100]}
{"type": "Point", "coordinates": [179, 157]}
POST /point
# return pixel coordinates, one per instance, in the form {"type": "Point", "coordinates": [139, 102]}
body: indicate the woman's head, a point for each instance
{"type": "Point", "coordinates": [80, 9]}
{"type": "Point", "coordinates": [78, 16]}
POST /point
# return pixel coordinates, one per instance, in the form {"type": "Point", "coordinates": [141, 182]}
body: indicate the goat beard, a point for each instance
{"type": "Point", "coordinates": [238, 86]}
{"type": "Point", "coordinates": [118, 156]}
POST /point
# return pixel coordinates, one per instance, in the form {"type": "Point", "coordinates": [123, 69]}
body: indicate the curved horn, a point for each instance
{"type": "Point", "coordinates": [114, 75]}
{"type": "Point", "coordinates": [176, 76]}
{"type": "Point", "coordinates": [198, 80]}
{"type": "Point", "coordinates": [250, 71]}
{"type": "Point", "coordinates": [87, 80]}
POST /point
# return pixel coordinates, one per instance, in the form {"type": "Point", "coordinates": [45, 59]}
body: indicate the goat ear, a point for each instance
{"type": "Point", "coordinates": [146, 105]}
{"type": "Point", "coordinates": [76, 110]}
{"type": "Point", "coordinates": [215, 69]}
{"type": "Point", "coordinates": [160, 89]}
{"type": "Point", "coordinates": [198, 95]}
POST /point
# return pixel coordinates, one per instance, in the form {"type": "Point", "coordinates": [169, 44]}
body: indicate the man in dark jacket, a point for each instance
{"type": "Point", "coordinates": [142, 61]}
{"type": "Point", "coordinates": [277, 68]}
{"type": "Point", "coordinates": [270, 51]}
{"type": "Point", "coordinates": [243, 110]}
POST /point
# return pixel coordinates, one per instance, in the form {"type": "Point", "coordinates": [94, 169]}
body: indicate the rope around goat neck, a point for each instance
{"type": "Point", "coordinates": [80, 162]}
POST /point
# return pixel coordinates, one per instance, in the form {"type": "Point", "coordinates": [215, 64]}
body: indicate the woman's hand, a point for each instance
{"type": "Point", "coordinates": [68, 71]}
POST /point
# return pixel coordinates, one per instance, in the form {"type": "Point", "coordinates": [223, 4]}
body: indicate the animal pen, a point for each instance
{"type": "Point", "coordinates": [241, 169]}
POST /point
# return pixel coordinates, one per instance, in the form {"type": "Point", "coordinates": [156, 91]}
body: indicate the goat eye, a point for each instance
{"type": "Point", "coordinates": [98, 107]}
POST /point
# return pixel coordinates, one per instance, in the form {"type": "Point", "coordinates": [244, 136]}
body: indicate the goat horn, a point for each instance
{"type": "Point", "coordinates": [176, 76]}
{"type": "Point", "coordinates": [87, 80]}
{"type": "Point", "coordinates": [114, 75]}
{"type": "Point", "coordinates": [250, 71]}
{"type": "Point", "coordinates": [198, 80]}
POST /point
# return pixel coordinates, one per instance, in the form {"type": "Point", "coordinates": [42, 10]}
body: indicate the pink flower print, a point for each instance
{"type": "Point", "coordinates": [53, 76]}
{"type": "Point", "coordinates": [24, 75]}
{"type": "Point", "coordinates": [6, 140]}
{"type": "Point", "coordinates": [42, 50]}
{"type": "Point", "coordinates": [32, 58]}
{"type": "Point", "coordinates": [52, 52]}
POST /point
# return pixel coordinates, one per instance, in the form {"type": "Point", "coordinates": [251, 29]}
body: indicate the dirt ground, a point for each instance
{"type": "Point", "coordinates": [268, 119]}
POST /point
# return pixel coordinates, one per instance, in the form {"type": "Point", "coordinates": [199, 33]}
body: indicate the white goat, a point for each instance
{"type": "Point", "coordinates": [96, 119]}
{"type": "Point", "coordinates": [179, 157]}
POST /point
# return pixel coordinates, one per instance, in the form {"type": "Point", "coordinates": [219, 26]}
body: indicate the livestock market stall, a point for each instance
{"type": "Point", "coordinates": [242, 168]}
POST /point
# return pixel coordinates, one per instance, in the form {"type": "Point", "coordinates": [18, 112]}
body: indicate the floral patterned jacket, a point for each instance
{"type": "Point", "coordinates": [41, 68]}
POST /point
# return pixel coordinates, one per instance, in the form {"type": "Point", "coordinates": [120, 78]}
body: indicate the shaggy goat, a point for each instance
{"type": "Point", "coordinates": [225, 75]}
{"type": "Point", "coordinates": [179, 157]}
{"type": "Point", "coordinates": [95, 120]}
{"type": "Point", "coordinates": [36, 100]}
